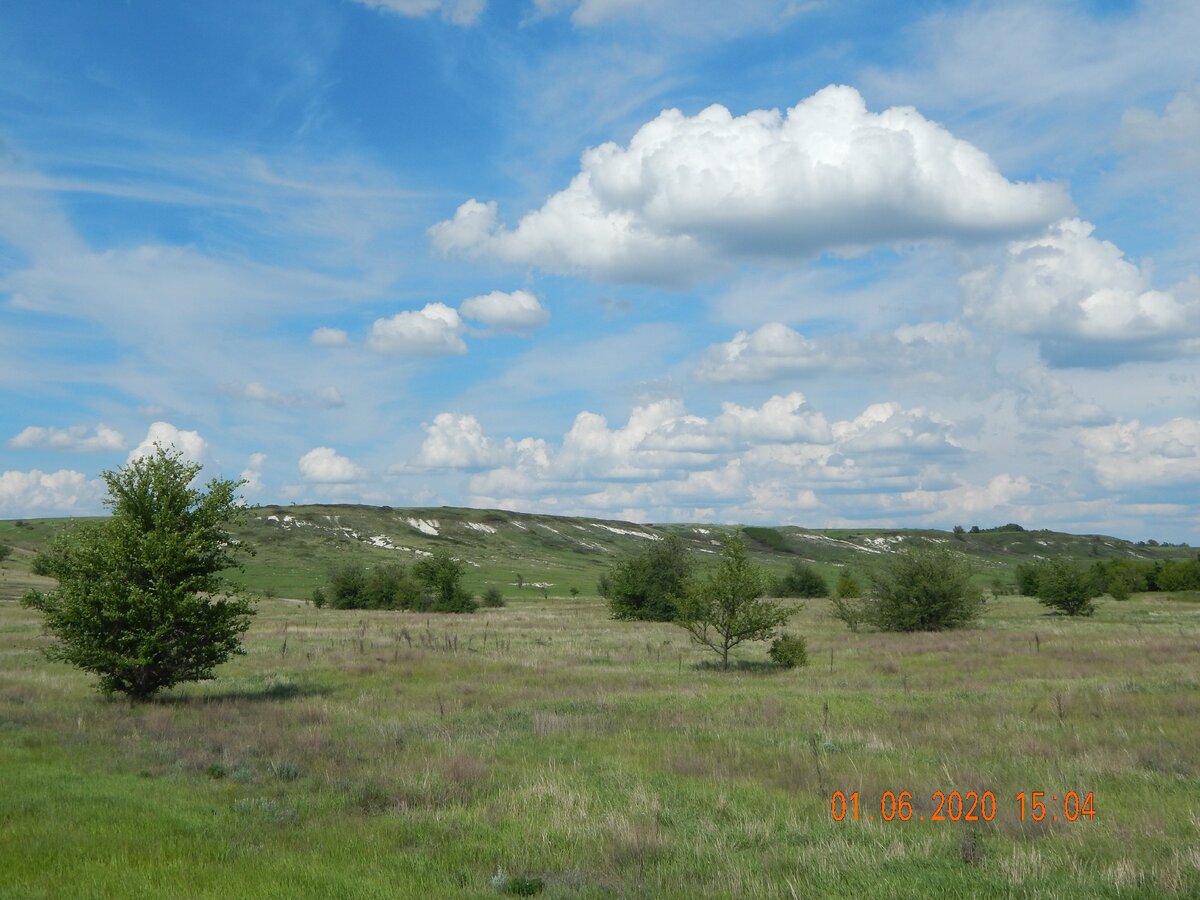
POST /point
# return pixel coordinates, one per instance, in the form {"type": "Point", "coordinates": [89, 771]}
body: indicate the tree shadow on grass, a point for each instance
{"type": "Point", "coordinates": [742, 666]}
{"type": "Point", "coordinates": [269, 691]}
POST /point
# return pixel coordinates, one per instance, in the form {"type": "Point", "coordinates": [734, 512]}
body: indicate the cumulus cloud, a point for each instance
{"type": "Point", "coordinates": [324, 465]}
{"type": "Point", "coordinates": [75, 439]}
{"type": "Point", "coordinates": [1079, 296]}
{"type": "Point", "coordinates": [434, 330]}
{"type": "Point", "coordinates": [1130, 454]}
{"type": "Point", "coordinates": [1175, 134]}
{"type": "Point", "coordinates": [459, 12]}
{"type": "Point", "coordinates": [770, 352]}
{"type": "Point", "coordinates": [188, 443]}
{"type": "Point", "coordinates": [253, 473]}
{"type": "Point", "coordinates": [456, 441]}
{"type": "Point", "coordinates": [690, 192]}
{"type": "Point", "coordinates": [29, 493]}
{"type": "Point", "coordinates": [749, 461]}
{"type": "Point", "coordinates": [329, 337]}
{"type": "Point", "coordinates": [518, 312]}
{"type": "Point", "coordinates": [965, 500]}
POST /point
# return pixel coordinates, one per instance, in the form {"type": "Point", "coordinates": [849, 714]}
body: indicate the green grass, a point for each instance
{"type": "Point", "coordinates": [378, 754]}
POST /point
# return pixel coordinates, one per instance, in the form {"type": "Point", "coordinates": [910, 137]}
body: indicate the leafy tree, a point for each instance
{"type": "Point", "coordinates": [441, 574]}
{"type": "Point", "coordinates": [726, 608]}
{"type": "Point", "coordinates": [139, 600]}
{"type": "Point", "coordinates": [347, 586]}
{"type": "Point", "coordinates": [847, 585]}
{"type": "Point", "coordinates": [1067, 587]}
{"type": "Point", "coordinates": [1028, 574]}
{"type": "Point", "coordinates": [923, 590]}
{"type": "Point", "coordinates": [802, 581]}
{"type": "Point", "coordinates": [647, 586]}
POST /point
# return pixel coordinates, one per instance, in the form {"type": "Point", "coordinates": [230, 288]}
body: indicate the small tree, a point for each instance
{"type": "Point", "coordinates": [924, 590]}
{"type": "Point", "coordinates": [648, 585]}
{"type": "Point", "coordinates": [5, 552]}
{"type": "Point", "coordinates": [725, 608]}
{"type": "Point", "coordinates": [1067, 587]}
{"type": "Point", "coordinates": [138, 599]}
{"type": "Point", "coordinates": [442, 576]}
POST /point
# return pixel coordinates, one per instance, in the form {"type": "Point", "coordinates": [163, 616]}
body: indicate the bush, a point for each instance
{"type": "Point", "coordinates": [647, 586]}
{"type": "Point", "coordinates": [492, 598]}
{"type": "Point", "coordinates": [41, 565]}
{"type": "Point", "coordinates": [725, 609]}
{"type": "Point", "coordinates": [789, 651]}
{"type": "Point", "coordinates": [851, 611]}
{"type": "Point", "coordinates": [1028, 574]}
{"type": "Point", "coordinates": [802, 581]}
{"type": "Point", "coordinates": [5, 552]}
{"type": "Point", "coordinates": [318, 597]}
{"type": "Point", "coordinates": [1067, 587]}
{"type": "Point", "coordinates": [441, 575]}
{"type": "Point", "coordinates": [847, 585]}
{"type": "Point", "coordinates": [347, 586]}
{"type": "Point", "coordinates": [139, 600]}
{"type": "Point", "coordinates": [924, 590]}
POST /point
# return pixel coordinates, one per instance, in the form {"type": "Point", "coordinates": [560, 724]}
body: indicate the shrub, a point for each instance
{"type": "Point", "coordinates": [851, 611]}
{"type": "Point", "coordinates": [924, 590]}
{"type": "Point", "coordinates": [5, 552]}
{"type": "Point", "coordinates": [441, 575]}
{"type": "Point", "coordinates": [492, 598]}
{"type": "Point", "coordinates": [318, 597]}
{"type": "Point", "coordinates": [139, 600]}
{"type": "Point", "coordinates": [802, 581]}
{"type": "Point", "coordinates": [347, 586]}
{"type": "Point", "coordinates": [647, 586]}
{"type": "Point", "coordinates": [1028, 574]}
{"type": "Point", "coordinates": [725, 608]}
{"type": "Point", "coordinates": [847, 585]}
{"type": "Point", "coordinates": [1067, 587]}
{"type": "Point", "coordinates": [41, 565]}
{"type": "Point", "coordinates": [789, 651]}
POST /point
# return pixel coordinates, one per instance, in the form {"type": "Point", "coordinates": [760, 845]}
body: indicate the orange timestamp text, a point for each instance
{"type": "Point", "coordinates": [964, 806]}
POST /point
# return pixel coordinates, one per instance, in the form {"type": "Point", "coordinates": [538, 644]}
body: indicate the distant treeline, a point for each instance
{"type": "Point", "coordinates": [1121, 577]}
{"type": "Point", "coordinates": [432, 584]}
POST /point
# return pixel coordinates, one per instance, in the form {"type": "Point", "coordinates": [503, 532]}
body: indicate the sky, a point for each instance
{"type": "Point", "coordinates": [833, 264]}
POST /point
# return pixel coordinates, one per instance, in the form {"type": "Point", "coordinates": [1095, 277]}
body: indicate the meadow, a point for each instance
{"type": "Point", "coordinates": [360, 754]}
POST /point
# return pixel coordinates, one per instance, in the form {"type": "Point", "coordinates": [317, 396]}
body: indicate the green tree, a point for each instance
{"type": "Point", "coordinates": [1067, 587]}
{"type": "Point", "coordinates": [847, 585]}
{"type": "Point", "coordinates": [1028, 574]}
{"type": "Point", "coordinates": [726, 608]}
{"type": "Point", "coordinates": [647, 586]}
{"type": "Point", "coordinates": [801, 581]}
{"type": "Point", "coordinates": [441, 574]}
{"type": "Point", "coordinates": [923, 590]}
{"type": "Point", "coordinates": [140, 602]}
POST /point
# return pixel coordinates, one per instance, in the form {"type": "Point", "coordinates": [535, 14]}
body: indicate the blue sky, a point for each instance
{"type": "Point", "coordinates": [854, 263]}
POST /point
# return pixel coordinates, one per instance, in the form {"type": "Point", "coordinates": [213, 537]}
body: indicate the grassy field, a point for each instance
{"type": "Point", "coordinates": [385, 755]}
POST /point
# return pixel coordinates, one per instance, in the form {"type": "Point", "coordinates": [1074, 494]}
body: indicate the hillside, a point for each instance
{"type": "Point", "coordinates": [534, 555]}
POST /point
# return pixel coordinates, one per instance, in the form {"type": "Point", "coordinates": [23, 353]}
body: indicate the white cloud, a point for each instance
{"type": "Point", "coordinates": [890, 427]}
{"type": "Point", "coordinates": [434, 330]}
{"type": "Point", "coordinates": [327, 397]}
{"type": "Point", "coordinates": [686, 18]}
{"type": "Point", "coordinates": [29, 493]}
{"type": "Point", "coordinates": [329, 337]}
{"type": "Point", "coordinates": [253, 473]}
{"type": "Point", "coordinates": [75, 439]}
{"type": "Point", "coordinates": [188, 443]}
{"type": "Point", "coordinates": [770, 352]}
{"type": "Point", "coordinates": [691, 192]}
{"type": "Point", "coordinates": [781, 419]}
{"type": "Point", "coordinates": [459, 12]}
{"type": "Point", "coordinates": [323, 465]}
{"type": "Point", "coordinates": [1130, 454]}
{"type": "Point", "coordinates": [1069, 289]}
{"type": "Point", "coordinates": [1175, 134]}
{"type": "Point", "coordinates": [456, 441]}
{"type": "Point", "coordinates": [966, 500]}
{"type": "Point", "coordinates": [519, 311]}
{"type": "Point", "coordinates": [1047, 401]}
